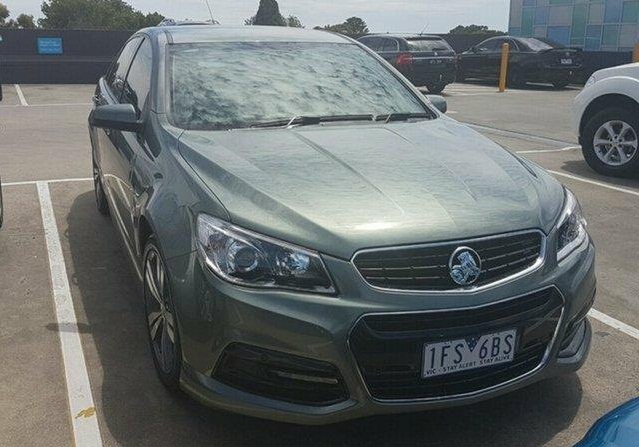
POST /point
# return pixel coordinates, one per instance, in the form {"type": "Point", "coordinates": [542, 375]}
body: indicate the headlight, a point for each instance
{"type": "Point", "coordinates": [590, 81]}
{"type": "Point", "coordinates": [571, 231]}
{"type": "Point", "coordinates": [249, 259]}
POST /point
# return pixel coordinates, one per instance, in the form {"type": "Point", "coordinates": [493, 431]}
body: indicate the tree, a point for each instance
{"type": "Point", "coordinates": [25, 21]}
{"type": "Point", "coordinates": [268, 14]}
{"type": "Point", "coordinates": [94, 14]}
{"type": "Point", "coordinates": [352, 27]}
{"type": "Point", "coordinates": [476, 29]}
{"type": "Point", "coordinates": [4, 13]}
{"type": "Point", "coordinates": [294, 22]}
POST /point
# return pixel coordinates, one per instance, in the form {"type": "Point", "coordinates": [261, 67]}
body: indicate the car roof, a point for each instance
{"type": "Point", "coordinates": [405, 36]}
{"type": "Point", "coordinates": [209, 33]}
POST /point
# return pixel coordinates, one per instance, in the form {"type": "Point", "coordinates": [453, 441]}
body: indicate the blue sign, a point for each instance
{"type": "Point", "coordinates": [49, 45]}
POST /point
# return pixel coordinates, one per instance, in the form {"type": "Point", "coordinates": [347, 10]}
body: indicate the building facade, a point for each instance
{"type": "Point", "coordinates": [595, 25]}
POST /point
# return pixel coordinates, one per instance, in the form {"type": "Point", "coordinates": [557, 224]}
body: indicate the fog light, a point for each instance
{"type": "Point", "coordinates": [280, 376]}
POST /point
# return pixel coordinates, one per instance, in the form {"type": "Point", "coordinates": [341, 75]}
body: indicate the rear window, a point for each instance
{"type": "Point", "coordinates": [229, 85]}
{"type": "Point", "coordinates": [428, 45]}
{"type": "Point", "coordinates": [539, 44]}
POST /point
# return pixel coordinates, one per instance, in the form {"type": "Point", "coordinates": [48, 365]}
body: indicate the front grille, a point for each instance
{"type": "Point", "coordinates": [426, 267]}
{"type": "Point", "coordinates": [389, 348]}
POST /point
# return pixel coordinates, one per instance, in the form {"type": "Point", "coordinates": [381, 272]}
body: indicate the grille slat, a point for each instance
{"type": "Point", "coordinates": [426, 267]}
{"type": "Point", "coordinates": [389, 348]}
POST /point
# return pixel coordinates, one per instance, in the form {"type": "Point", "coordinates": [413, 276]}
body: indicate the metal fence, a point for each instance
{"type": "Point", "coordinates": [81, 57]}
{"type": "Point", "coordinates": [26, 58]}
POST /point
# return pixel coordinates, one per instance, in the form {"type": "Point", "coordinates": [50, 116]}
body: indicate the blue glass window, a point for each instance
{"type": "Point", "coordinates": [541, 15]}
{"type": "Point", "coordinates": [529, 2]}
{"type": "Point", "coordinates": [593, 37]}
{"type": "Point", "coordinates": [515, 32]}
{"type": "Point", "coordinates": [613, 11]}
{"type": "Point", "coordinates": [559, 34]}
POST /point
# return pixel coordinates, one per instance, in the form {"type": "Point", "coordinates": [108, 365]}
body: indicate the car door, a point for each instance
{"type": "Point", "coordinates": [473, 60]}
{"type": "Point", "coordinates": [113, 154]}
{"type": "Point", "coordinates": [137, 92]}
{"type": "Point", "coordinates": [492, 64]}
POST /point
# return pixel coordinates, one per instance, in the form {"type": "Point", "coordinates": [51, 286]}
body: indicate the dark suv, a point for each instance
{"type": "Point", "coordinates": [426, 60]}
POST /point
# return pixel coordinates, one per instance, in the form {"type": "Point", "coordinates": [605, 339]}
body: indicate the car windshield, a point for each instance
{"type": "Point", "coordinates": [540, 44]}
{"type": "Point", "coordinates": [230, 85]}
{"type": "Point", "coordinates": [428, 45]}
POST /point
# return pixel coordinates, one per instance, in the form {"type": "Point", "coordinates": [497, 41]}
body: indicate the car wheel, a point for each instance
{"type": "Point", "coordinates": [161, 323]}
{"type": "Point", "coordinates": [100, 196]}
{"type": "Point", "coordinates": [435, 89]}
{"type": "Point", "coordinates": [610, 142]}
{"type": "Point", "coordinates": [561, 84]}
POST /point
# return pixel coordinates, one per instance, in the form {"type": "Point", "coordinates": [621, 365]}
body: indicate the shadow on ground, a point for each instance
{"type": "Point", "coordinates": [580, 167]}
{"type": "Point", "coordinates": [135, 410]}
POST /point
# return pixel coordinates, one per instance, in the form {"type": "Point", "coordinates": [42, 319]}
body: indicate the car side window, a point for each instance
{"type": "Point", "coordinates": [117, 74]}
{"type": "Point", "coordinates": [489, 45]}
{"type": "Point", "coordinates": [370, 42]}
{"type": "Point", "coordinates": [389, 45]}
{"type": "Point", "coordinates": [138, 82]}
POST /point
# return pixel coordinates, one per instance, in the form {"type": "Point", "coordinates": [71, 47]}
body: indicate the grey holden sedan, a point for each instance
{"type": "Point", "coordinates": [315, 241]}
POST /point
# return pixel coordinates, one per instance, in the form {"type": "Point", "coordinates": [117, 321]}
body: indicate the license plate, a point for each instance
{"type": "Point", "coordinates": [566, 62]}
{"type": "Point", "coordinates": [436, 61]}
{"type": "Point", "coordinates": [468, 353]}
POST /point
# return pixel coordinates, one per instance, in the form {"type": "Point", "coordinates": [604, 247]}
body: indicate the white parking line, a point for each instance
{"type": "Point", "coordinates": [522, 135]}
{"type": "Point", "coordinates": [69, 104]}
{"type": "Point", "coordinates": [545, 151]}
{"type": "Point", "coordinates": [613, 323]}
{"type": "Point", "coordinates": [21, 97]}
{"type": "Point", "coordinates": [61, 180]}
{"type": "Point", "coordinates": [594, 182]}
{"type": "Point", "coordinates": [86, 431]}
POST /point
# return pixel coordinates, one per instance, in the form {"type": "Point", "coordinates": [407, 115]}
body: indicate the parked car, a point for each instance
{"type": "Point", "coordinates": [424, 59]}
{"type": "Point", "coordinates": [532, 59]}
{"type": "Point", "coordinates": [606, 120]}
{"type": "Point", "coordinates": [619, 428]}
{"type": "Point", "coordinates": [316, 242]}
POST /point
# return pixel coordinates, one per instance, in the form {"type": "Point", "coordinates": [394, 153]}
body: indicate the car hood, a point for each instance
{"type": "Point", "coordinates": [630, 70]}
{"type": "Point", "coordinates": [340, 188]}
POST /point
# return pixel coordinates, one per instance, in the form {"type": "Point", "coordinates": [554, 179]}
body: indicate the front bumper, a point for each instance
{"type": "Point", "coordinates": [213, 314]}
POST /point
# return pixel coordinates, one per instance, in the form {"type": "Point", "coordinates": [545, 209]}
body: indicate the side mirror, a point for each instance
{"type": "Point", "coordinates": [473, 49]}
{"type": "Point", "coordinates": [439, 102]}
{"type": "Point", "coordinates": [116, 117]}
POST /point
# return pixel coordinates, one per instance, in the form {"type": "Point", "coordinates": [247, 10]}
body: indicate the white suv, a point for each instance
{"type": "Point", "coordinates": [606, 119]}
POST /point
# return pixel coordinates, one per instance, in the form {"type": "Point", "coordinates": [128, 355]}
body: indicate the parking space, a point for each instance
{"type": "Point", "coordinates": [47, 140]}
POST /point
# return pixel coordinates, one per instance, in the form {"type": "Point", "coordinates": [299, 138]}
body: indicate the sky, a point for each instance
{"type": "Point", "coordinates": [438, 16]}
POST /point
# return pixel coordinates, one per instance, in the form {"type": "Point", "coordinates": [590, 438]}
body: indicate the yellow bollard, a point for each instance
{"type": "Point", "coordinates": [505, 48]}
{"type": "Point", "coordinates": [635, 53]}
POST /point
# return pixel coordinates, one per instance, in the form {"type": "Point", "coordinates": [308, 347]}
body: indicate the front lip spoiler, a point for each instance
{"type": "Point", "coordinates": [483, 391]}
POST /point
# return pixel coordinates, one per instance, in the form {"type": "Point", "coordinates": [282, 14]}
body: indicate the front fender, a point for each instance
{"type": "Point", "coordinates": [616, 85]}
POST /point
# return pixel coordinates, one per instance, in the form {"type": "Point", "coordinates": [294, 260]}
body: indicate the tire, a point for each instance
{"type": "Point", "coordinates": [622, 154]}
{"type": "Point", "coordinates": [101, 202]}
{"type": "Point", "coordinates": [561, 84]}
{"type": "Point", "coordinates": [161, 322]}
{"type": "Point", "coordinates": [436, 88]}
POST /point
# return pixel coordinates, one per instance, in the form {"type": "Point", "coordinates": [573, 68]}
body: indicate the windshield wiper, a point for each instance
{"type": "Point", "coordinates": [311, 120]}
{"type": "Point", "coordinates": [401, 116]}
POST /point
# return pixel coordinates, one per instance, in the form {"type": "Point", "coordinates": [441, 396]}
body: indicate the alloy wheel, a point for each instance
{"type": "Point", "coordinates": [615, 143]}
{"type": "Point", "coordinates": [159, 312]}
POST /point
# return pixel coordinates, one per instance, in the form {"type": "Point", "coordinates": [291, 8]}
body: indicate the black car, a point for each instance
{"type": "Point", "coordinates": [531, 60]}
{"type": "Point", "coordinates": [426, 60]}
